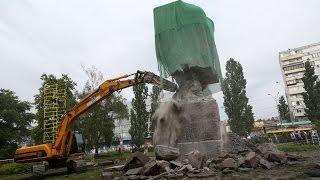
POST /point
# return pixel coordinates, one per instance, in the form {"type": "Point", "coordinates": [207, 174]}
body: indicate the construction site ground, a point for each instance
{"type": "Point", "coordinates": [306, 169]}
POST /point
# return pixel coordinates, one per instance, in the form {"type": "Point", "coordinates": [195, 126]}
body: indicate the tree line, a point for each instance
{"type": "Point", "coordinates": [96, 125]}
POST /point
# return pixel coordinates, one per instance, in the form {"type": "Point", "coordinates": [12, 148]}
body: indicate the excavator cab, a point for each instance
{"type": "Point", "coordinates": [77, 145]}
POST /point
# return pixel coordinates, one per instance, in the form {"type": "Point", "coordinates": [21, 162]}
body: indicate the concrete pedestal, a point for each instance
{"type": "Point", "coordinates": [201, 131]}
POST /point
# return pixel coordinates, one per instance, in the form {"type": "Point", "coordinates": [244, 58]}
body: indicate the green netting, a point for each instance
{"type": "Point", "coordinates": [184, 35]}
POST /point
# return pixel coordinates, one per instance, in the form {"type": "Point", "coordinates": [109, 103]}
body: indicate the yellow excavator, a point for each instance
{"type": "Point", "coordinates": [65, 146]}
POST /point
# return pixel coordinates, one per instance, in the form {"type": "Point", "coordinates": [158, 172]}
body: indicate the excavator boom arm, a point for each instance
{"type": "Point", "coordinates": [62, 145]}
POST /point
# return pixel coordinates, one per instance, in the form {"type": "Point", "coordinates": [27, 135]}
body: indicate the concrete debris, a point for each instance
{"type": "Point", "coordinates": [277, 157]}
{"type": "Point", "coordinates": [264, 164]}
{"type": "Point", "coordinates": [137, 159]}
{"type": "Point", "coordinates": [241, 161]}
{"type": "Point", "coordinates": [140, 167]}
{"type": "Point", "coordinates": [295, 157]}
{"type": "Point", "coordinates": [175, 164]}
{"type": "Point", "coordinates": [226, 171]}
{"type": "Point", "coordinates": [154, 168]}
{"type": "Point", "coordinates": [251, 160]}
{"type": "Point", "coordinates": [134, 171]}
{"type": "Point", "coordinates": [195, 159]}
{"type": "Point", "coordinates": [229, 163]}
{"type": "Point", "coordinates": [266, 148]}
{"type": "Point", "coordinates": [166, 153]}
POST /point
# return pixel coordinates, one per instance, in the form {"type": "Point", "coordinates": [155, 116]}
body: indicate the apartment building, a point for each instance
{"type": "Point", "coordinates": [292, 67]}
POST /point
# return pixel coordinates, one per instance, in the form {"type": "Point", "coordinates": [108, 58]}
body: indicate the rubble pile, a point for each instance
{"type": "Point", "coordinates": [139, 166]}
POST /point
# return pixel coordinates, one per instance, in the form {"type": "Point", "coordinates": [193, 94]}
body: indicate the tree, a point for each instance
{"type": "Point", "coordinates": [235, 100]}
{"type": "Point", "coordinates": [154, 106]}
{"type": "Point", "coordinates": [139, 115]}
{"type": "Point", "coordinates": [248, 119]}
{"type": "Point", "coordinates": [37, 132]}
{"type": "Point", "coordinates": [283, 109]}
{"type": "Point", "coordinates": [312, 95]}
{"type": "Point", "coordinates": [97, 124]}
{"type": "Point", "coordinates": [15, 120]}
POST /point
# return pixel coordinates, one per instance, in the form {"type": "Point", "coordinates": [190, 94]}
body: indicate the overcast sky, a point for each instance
{"type": "Point", "coordinates": [47, 36]}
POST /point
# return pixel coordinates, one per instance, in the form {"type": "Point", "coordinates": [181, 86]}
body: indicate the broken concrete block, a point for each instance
{"type": "Point", "coordinates": [154, 168]}
{"type": "Point", "coordinates": [195, 159]}
{"type": "Point", "coordinates": [264, 164]}
{"type": "Point", "coordinates": [226, 171]}
{"type": "Point", "coordinates": [241, 161]}
{"type": "Point", "coordinates": [134, 171]}
{"type": "Point", "coordinates": [175, 164]}
{"type": "Point", "coordinates": [137, 159]}
{"type": "Point", "coordinates": [277, 157]}
{"type": "Point", "coordinates": [251, 160]}
{"type": "Point", "coordinates": [266, 148]}
{"type": "Point", "coordinates": [229, 163]}
{"type": "Point", "coordinates": [294, 157]}
{"type": "Point", "coordinates": [166, 153]}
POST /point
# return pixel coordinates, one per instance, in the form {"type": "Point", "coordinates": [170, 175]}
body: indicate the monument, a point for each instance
{"type": "Point", "coordinates": [186, 51]}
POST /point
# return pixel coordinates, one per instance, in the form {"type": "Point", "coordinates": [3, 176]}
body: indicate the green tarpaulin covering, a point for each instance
{"type": "Point", "coordinates": [184, 36]}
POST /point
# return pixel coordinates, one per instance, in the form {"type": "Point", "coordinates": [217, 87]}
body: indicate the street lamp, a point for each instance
{"type": "Point", "coordinates": [276, 100]}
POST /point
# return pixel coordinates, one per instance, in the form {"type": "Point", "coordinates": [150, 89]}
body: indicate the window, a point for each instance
{"type": "Point", "coordinates": [299, 111]}
{"type": "Point", "coordinates": [297, 66]}
{"type": "Point", "coordinates": [291, 82]}
{"type": "Point", "coordinates": [298, 103]}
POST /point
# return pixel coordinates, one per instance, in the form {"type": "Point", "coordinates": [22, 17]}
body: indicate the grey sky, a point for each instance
{"type": "Point", "coordinates": [117, 37]}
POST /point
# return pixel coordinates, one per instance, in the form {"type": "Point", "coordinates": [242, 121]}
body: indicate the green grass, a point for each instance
{"type": "Point", "coordinates": [298, 148]}
{"type": "Point", "coordinates": [16, 171]}
{"type": "Point", "coordinates": [15, 168]}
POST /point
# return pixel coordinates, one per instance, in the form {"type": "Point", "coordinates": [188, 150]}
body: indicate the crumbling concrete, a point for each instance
{"type": "Point", "coordinates": [227, 163]}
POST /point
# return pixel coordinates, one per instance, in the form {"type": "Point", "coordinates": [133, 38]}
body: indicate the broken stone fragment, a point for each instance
{"type": "Point", "coordinates": [206, 169]}
{"type": "Point", "coordinates": [137, 159]}
{"type": "Point", "coordinates": [133, 171]}
{"type": "Point", "coordinates": [264, 164]}
{"type": "Point", "coordinates": [154, 168]}
{"type": "Point", "coordinates": [266, 148]}
{"type": "Point", "coordinates": [166, 153]}
{"type": "Point", "coordinates": [294, 157]}
{"type": "Point", "coordinates": [277, 157]}
{"type": "Point", "coordinates": [229, 163]}
{"type": "Point", "coordinates": [251, 160]}
{"type": "Point", "coordinates": [195, 159]}
{"type": "Point", "coordinates": [226, 171]}
{"type": "Point", "coordinates": [175, 164]}
{"type": "Point", "coordinates": [241, 161]}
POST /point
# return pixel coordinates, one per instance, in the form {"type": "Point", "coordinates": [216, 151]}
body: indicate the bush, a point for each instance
{"type": "Point", "coordinates": [15, 168]}
{"type": "Point", "coordinates": [109, 156]}
{"type": "Point", "coordinates": [151, 149]}
{"type": "Point", "coordinates": [298, 148]}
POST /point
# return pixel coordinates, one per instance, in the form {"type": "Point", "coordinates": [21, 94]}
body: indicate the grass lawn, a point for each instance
{"type": "Point", "coordinates": [290, 147]}
{"type": "Point", "coordinates": [23, 171]}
